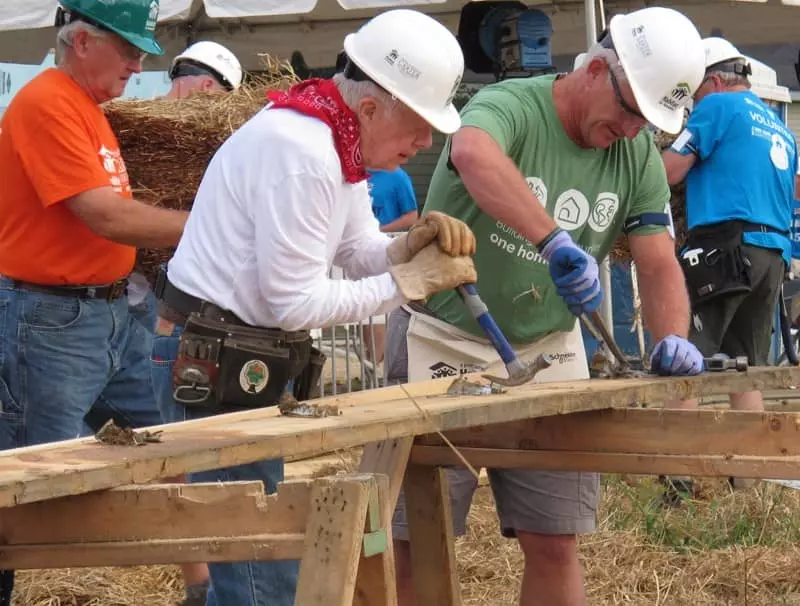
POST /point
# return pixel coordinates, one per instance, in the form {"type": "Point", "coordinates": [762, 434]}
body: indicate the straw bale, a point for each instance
{"type": "Point", "coordinates": [168, 143]}
{"type": "Point", "coordinates": [621, 250]}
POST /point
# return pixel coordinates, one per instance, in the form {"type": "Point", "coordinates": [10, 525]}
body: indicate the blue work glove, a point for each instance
{"type": "Point", "coordinates": [574, 273]}
{"type": "Point", "coordinates": [676, 356]}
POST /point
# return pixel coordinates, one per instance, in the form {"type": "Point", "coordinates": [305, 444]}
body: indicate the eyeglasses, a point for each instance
{"type": "Point", "coordinates": [127, 51]}
{"type": "Point", "coordinates": [622, 103]}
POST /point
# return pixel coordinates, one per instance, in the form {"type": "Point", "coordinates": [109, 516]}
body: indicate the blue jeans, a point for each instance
{"type": "Point", "coordinates": [271, 583]}
{"type": "Point", "coordinates": [147, 311]}
{"type": "Point", "coordinates": [61, 357]}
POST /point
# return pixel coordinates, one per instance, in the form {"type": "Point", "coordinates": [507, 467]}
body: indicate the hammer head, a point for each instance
{"type": "Point", "coordinates": [526, 373]}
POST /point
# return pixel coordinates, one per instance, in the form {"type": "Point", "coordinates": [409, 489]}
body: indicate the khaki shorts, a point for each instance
{"type": "Point", "coordinates": [544, 502]}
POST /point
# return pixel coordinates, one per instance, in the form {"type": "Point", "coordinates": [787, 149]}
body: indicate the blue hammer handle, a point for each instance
{"type": "Point", "coordinates": [469, 294]}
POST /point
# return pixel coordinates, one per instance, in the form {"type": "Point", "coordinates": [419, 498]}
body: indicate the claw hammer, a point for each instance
{"type": "Point", "coordinates": [519, 372]}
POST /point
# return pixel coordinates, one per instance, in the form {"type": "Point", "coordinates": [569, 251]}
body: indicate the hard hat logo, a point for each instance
{"type": "Point", "coordinates": [678, 98]}
{"type": "Point", "coordinates": [408, 70]}
{"type": "Point", "coordinates": [152, 17]}
{"type": "Point", "coordinates": [391, 57]}
{"type": "Point", "coordinates": [640, 40]}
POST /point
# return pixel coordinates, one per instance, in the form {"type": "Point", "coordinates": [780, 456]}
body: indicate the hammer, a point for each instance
{"type": "Point", "coordinates": [519, 372]}
{"type": "Point", "coordinates": [720, 364]}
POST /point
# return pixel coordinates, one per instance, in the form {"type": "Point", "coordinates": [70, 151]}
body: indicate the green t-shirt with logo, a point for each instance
{"type": "Point", "coordinates": [589, 193]}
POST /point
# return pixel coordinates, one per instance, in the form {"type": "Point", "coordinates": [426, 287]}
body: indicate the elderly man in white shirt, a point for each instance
{"type": "Point", "coordinates": [284, 199]}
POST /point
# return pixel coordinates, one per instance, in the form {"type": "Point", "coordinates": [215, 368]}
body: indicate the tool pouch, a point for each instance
{"type": "Point", "coordinates": [253, 365]}
{"type": "Point", "coordinates": [196, 368]}
{"type": "Point", "coordinates": [306, 386]}
{"type": "Point", "coordinates": [714, 262]}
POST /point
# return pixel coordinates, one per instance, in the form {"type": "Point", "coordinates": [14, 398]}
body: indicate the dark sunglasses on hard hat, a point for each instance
{"type": "Point", "coordinates": [186, 67]}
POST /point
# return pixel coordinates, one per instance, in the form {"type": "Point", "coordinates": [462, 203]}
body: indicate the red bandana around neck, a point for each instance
{"type": "Point", "coordinates": [321, 99]}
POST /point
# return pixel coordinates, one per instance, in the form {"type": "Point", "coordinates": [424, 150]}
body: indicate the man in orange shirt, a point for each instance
{"type": "Point", "coordinates": [69, 229]}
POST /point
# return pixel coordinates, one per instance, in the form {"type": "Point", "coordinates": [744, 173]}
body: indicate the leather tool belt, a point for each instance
{"type": "Point", "coordinates": [224, 364]}
{"type": "Point", "coordinates": [714, 261]}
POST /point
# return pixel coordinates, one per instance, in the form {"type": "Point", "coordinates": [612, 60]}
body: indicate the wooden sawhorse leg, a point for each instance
{"type": "Point", "coordinates": [430, 528]}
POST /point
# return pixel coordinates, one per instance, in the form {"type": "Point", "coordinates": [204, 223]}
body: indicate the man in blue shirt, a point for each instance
{"type": "Point", "coordinates": [393, 200]}
{"type": "Point", "coordinates": [739, 161]}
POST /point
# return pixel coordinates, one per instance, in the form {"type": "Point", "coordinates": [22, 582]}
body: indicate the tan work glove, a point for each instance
{"type": "Point", "coordinates": [455, 238]}
{"type": "Point", "coordinates": [432, 271]}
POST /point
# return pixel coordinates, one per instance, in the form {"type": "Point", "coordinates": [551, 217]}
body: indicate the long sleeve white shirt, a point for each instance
{"type": "Point", "coordinates": [272, 215]}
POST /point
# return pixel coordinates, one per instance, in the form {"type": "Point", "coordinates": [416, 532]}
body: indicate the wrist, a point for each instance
{"type": "Point", "coordinates": [555, 239]}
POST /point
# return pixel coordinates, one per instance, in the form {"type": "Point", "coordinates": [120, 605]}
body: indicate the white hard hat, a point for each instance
{"type": "Point", "coordinates": [663, 57]}
{"type": "Point", "coordinates": [719, 50]}
{"type": "Point", "coordinates": [215, 57]}
{"type": "Point", "coordinates": [579, 59]}
{"type": "Point", "coordinates": [415, 58]}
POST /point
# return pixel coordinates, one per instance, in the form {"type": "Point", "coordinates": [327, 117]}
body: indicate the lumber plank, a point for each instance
{"type": "Point", "coordinates": [78, 466]}
{"type": "Point", "coordinates": [430, 530]}
{"type": "Point", "coordinates": [776, 467]}
{"type": "Point", "coordinates": [166, 511]}
{"type": "Point", "coordinates": [638, 430]}
{"type": "Point", "coordinates": [333, 541]}
{"type": "Point", "coordinates": [153, 551]}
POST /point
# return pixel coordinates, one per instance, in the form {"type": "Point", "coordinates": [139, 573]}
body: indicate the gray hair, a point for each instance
{"type": "Point", "coordinates": [66, 36]}
{"type": "Point", "coordinates": [353, 92]}
{"type": "Point", "coordinates": [608, 55]}
{"type": "Point", "coordinates": [729, 79]}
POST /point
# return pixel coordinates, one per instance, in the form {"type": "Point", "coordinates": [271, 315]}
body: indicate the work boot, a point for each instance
{"type": "Point", "coordinates": [196, 594]}
{"type": "Point", "coordinates": [676, 491]}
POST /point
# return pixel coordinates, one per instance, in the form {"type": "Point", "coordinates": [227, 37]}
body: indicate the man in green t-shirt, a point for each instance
{"type": "Point", "coordinates": [548, 171]}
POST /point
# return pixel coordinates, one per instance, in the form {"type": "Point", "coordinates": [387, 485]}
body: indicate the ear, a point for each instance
{"type": "Point", "coordinates": [367, 109]}
{"type": "Point", "coordinates": [597, 67]}
{"type": "Point", "coordinates": [207, 84]}
{"type": "Point", "coordinates": [80, 42]}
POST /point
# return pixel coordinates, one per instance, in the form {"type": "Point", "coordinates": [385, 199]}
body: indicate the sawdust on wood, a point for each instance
{"type": "Point", "coordinates": [114, 435]}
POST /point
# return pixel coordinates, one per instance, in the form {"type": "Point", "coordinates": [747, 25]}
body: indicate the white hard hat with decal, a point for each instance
{"type": "Point", "coordinates": [215, 57]}
{"type": "Point", "coordinates": [413, 57]}
{"type": "Point", "coordinates": [663, 57]}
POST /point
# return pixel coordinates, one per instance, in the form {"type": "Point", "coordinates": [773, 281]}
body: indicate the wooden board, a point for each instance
{"type": "Point", "coordinates": [78, 466]}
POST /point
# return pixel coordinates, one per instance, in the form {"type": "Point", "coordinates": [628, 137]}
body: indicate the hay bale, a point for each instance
{"type": "Point", "coordinates": [621, 250]}
{"type": "Point", "coordinates": [168, 143]}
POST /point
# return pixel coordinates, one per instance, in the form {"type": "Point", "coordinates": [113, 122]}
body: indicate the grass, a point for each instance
{"type": "Point", "coordinates": [721, 548]}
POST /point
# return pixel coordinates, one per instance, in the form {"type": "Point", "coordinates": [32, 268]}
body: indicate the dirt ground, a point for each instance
{"type": "Point", "coordinates": [722, 548]}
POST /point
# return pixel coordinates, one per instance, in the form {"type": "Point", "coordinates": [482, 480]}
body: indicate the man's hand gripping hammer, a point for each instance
{"type": "Point", "coordinates": [519, 372]}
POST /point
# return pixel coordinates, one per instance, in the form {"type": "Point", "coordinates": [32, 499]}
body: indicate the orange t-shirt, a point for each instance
{"type": "Point", "coordinates": [55, 143]}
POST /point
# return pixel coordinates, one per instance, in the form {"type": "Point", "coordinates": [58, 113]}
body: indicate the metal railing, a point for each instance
{"type": "Point", "coordinates": [351, 365]}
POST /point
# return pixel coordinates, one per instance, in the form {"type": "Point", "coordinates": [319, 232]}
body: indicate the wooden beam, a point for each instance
{"type": "Point", "coordinates": [177, 523]}
{"type": "Point", "coordinates": [786, 468]}
{"type": "Point", "coordinates": [644, 431]}
{"type": "Point", "coordinates": [333, 542]}
{"type": "Point", "coordinates": [77, 466]}
{"type": "Point", "coordinates": [156, 551]}
{"type": "Point", "coordinates": [159, 512]}
{"type": "Point", "coordinates": [430, 533]}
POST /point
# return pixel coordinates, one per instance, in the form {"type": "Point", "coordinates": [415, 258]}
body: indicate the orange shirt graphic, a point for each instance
{"type": "Point", "coordinates": [55, 143]}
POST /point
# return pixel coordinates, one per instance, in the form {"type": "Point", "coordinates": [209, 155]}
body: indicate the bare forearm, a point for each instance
{"type": "Point", "coordinates": [497, 186]}
{"type": "Point", "coordinates": [128, 221]}
{"type": "Point", "coordinates": [665, 303]}
{"type": "Point", "coordinates": [401, 223]}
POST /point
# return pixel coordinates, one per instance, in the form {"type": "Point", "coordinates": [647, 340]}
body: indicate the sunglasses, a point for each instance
{"type": "Point", "coordinates": [629, 109]}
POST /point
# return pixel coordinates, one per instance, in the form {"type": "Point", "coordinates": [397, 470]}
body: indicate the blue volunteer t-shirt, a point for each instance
{"type": "Point", "coordinates": [747, 161]}
{"type": "Point", "coordinates": [392, 194]}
